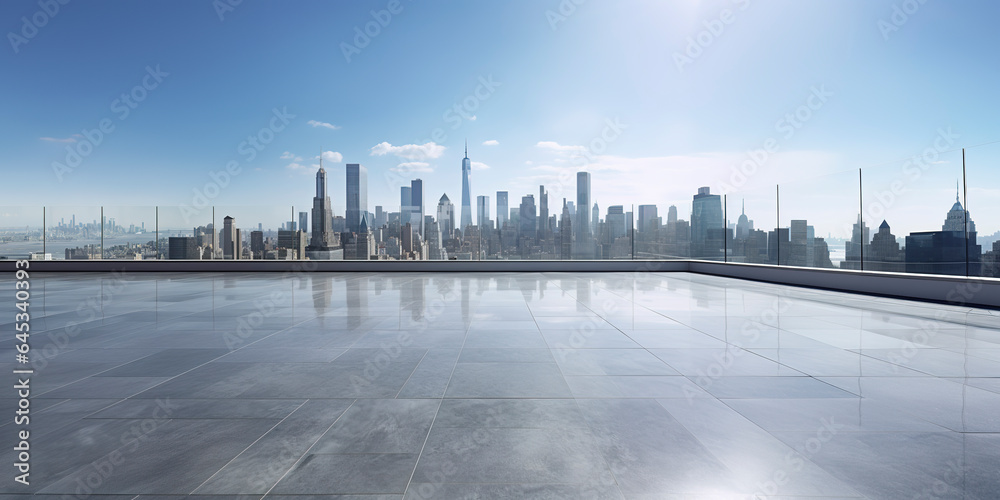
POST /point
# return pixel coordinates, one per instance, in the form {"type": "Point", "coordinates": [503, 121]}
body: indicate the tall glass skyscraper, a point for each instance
{"type": "Point", "coordinates": [482, 211]}
{"type": "Point", "coordinates": [502, 210]}
{"type": "Point", "coordinates": [417, 205]}
{"type": "Point", "coordinates": [405, 199]}
{"type": "Point", "coordinates": [357, 195]}
{"type": "Point", "coordinates": [466, 190]}
{"type": "Point", "coordinates": [543, 213]}
{"type": "Point", "coordinates": [706, 225]}
{"type": "Point", "coordinates": [528, 217]}
{"type": "Point", "coordinates": [584, 239]}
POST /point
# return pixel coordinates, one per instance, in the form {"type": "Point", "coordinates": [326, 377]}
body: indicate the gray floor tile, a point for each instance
{"type": "Point", "coordinates": [507, 380]}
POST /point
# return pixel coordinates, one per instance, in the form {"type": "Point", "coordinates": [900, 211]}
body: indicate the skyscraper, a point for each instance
{"type": "Point", "coordinates": [502, 210]}
{"type": "Point", "coordinates": [543, 213]}
{"type": "Point", "coordinates": [647, 213]}
{"type": "Point", "coordinates": [743, 225]}
{"type": "Point", "coordinates": [616, 222]}
{"type": "Point", "coordinates": [528, 217]}
{"type": "Point", "coordinates": [303, 221]}
{"type": "Point", "coordinates": [584, 240]}
{"type": "Point", "coordinates": [417, 205]}
{"type": "Point", "coordinates": [706, 225]}
{"type": "Point", "coordinates": [257, 244]}
{"type": "Point", "coordinates": [229, 249]}
{"type": "Point", "coordinates": [466, 190]}
{"type": "Point", "coordinates": [405, 199]}
{"type": "Point", "coordinates": [322, 233]}
{"type": "Point", "coordinates": [482, 211]}
{"type": "Point", "coordinates": [357, 195]}
{"type": "Point", "coordinates": [446, 217]}
{"type": "Point", "coordinates": [595, 219]}
{"type": "Point", "coordinates": [566, 233]}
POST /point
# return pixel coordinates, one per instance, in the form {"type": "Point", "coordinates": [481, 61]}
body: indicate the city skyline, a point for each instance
{"type": "Point", "coordinates": [530, 233]}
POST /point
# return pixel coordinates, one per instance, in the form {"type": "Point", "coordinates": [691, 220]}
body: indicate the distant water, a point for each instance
{"type": "Point", "coordinates": [837, 255]}
{"type": "Point", "coordinates": [58, 248]}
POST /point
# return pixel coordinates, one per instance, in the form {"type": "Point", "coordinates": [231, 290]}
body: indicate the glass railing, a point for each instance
{"type": "Point", "coordinates": [983, 204]}
{"type": "Point", "coordinates": [912, 222]}
{"type": "Point", "coordinates": [21, 232]}
{"type": "Point", "coordinates": [816, 215]}
{"type": "Point", "coordinates": [906, 216]}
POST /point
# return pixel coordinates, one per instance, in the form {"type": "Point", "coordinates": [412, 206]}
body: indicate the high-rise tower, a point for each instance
{"type": "Point", "coordinates": [446, 217]}
{"type": "Point", "coordinates": [503, 212]}
{"type": "Point", "coordinates": [466, 190]}
{"type": "Point", "coordinates": [357, 196]}
{"type": "Point", "coordinates": [543, 214]}
{"type": "Point", "coordinates": [707, 226]}
{"type": "Point", "coordinates": [583, 246]}
{"type": "Point", "coordinates": [322, 232]}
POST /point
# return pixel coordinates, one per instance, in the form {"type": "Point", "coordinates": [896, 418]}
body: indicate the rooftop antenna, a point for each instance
{"type": "Point", "coordinates": [466, 147]}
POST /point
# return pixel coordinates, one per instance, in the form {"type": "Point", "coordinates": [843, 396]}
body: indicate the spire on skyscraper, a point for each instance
{"type": "Point", "coordinates": [466, 219]}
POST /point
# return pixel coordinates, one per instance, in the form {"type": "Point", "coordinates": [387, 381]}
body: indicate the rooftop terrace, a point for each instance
{"type": "Point", "coordinates": [500, 385]}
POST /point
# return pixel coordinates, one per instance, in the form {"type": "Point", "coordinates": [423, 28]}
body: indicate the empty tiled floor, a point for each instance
{"type": "Point", "coordinates": [575, 386]}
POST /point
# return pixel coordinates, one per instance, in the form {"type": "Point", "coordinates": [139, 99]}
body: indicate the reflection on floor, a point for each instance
{"type": "Point", "coordinates": [587, 385]}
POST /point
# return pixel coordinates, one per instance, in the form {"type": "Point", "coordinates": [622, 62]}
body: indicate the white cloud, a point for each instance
{"type": "Point", "coordinates": [316, 123]}
{"type": "Point", "coordinates": [296, 166]}
{"type": "Point", "coordinates": [472, 118]}
{"type": "Point", "coordinates": [479, 166]}
{"type": "Point", "coordinates": [413, 167]}
{"type": "Point", "coordinates": [287, 155]}
{"type": "Point", "coordinates": [559, 148]}
{"type": "Point", "coordinates": [491, 142]}
{"type": "Point", "coordinates": [54, 139]}
{"type": "Point", "coordinates": [426, 151]}
{"type": "Point", "coordinates": [333, 156]}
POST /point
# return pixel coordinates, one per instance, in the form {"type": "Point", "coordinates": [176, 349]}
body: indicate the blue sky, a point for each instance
{"type": "Point", "coordinates": [560, 79]}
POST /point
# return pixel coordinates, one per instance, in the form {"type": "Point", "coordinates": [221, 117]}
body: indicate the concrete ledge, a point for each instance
{"type": "Point", "coordinates": [954, 290]}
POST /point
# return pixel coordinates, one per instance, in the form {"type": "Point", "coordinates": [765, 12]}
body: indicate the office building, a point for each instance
{"type": "Point", "coordinates": [528, 217]}
{"type": "Point", "coordinates": [503, 212]}
{"type": "Point", "coordinates": [357, 195]}
{"type": "Point", "coordinates": [303, 222]}
{"type": "Point", "coordinates": [321, 243]}
{"type": "Point", "coordinates": [483, 212]}
{"type": "Point", "coordinates": [707, 235]}
{"type": "Point", "coordinates": [584, 246]}
{"type": "Point", "coordinates": [181, 247]}
{"type": "Point", "coordinates": [230, 239]}
{"type": "Point", "coordinates": [446, 217]}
